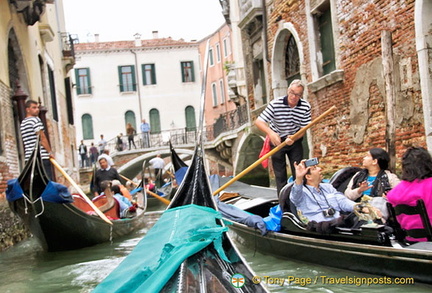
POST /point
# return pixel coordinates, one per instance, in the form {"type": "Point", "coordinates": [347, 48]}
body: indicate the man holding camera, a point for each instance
{"type": "Point", "coordinates": [281, 119]}
{"type": "Point", "coordinates": [317, 201]}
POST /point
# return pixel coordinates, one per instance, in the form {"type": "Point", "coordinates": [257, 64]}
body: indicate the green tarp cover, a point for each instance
{"type": "Point", "coordinates": [179, 233]}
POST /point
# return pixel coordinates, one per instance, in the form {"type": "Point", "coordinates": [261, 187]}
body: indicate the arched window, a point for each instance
{"type": "Point", "coordinates": [130, 118]}
{"type": "Point", "coordinates": [292, 61]}
{"type": "Point", "coordinates": [155, 126]}
{"type": "Point", "coordinates": [190, 118]}
{"type": "Point", "coordinates": [87, 126]}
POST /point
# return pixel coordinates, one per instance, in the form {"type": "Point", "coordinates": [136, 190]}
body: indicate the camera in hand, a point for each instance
{"type": "Point", "coordinates": [329, 213]}
{"type": "Point", "coordinates": [311, 162]}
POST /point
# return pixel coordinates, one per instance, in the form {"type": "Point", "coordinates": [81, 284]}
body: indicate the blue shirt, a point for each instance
{"type": "Point", "coordinates": [312, 202]}
{"type": "Point", "coordinates": [145, 127]}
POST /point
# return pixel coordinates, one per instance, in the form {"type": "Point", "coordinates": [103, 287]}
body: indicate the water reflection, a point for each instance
{"type": "Point", "coordinates": [25, 268]}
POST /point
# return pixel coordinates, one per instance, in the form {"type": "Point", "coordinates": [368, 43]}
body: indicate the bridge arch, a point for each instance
{"type": "Point", "coordinates": [247, 154]}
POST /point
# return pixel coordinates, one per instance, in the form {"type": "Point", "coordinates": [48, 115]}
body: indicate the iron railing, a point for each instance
{"type": "Point", "coordinates": [229, 121]}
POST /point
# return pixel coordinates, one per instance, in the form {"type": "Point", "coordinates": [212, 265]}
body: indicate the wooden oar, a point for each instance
{"type": "Point", "coordinates": [297, 135]}
{"type": "Point", "coordinates": [127, 179]}
{"type": "Point", "coordinates": [71, 181]}
{"type": "Point", "coordinates": [164, 200]}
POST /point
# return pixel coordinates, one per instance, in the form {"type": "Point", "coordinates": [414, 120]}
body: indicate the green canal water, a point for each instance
{"type": "Point", "coordinates": [25, 268]}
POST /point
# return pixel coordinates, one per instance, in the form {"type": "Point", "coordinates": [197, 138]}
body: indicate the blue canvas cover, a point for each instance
{"type": "Point", "coordinates": [178, 234]}
{"type": "Point", "coordinates": [53, 192]}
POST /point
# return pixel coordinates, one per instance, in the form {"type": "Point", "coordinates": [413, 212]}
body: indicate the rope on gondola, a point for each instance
{"type": "Point", "coordinates": [32, 203]}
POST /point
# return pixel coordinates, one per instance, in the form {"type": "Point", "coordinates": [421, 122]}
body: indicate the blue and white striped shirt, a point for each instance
{"type": "Point", "coordinates": [285, 120]}
{"type": "Point", "coordinates": [30, 126]}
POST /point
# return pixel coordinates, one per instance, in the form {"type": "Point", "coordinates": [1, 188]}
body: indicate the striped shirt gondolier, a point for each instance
{"type": "Point", "coordinates": [30, 126]}
{"type": "Point", "coordinates": [285, 120]}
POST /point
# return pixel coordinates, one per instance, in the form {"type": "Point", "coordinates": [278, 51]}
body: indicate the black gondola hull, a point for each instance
{"type": "Point", "coordinates": [64, 227]}
{"type": "Point", "coordinates": [371, 259]}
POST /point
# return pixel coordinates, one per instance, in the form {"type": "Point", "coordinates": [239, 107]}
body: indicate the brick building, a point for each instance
{"type": "Point", "coordinates": [369, 58]}
{"type": "Point", "coordinates": [37, 55]}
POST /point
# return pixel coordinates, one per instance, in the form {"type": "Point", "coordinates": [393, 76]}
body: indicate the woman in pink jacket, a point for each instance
{"type": "Point", "coordinates": [416, 184]}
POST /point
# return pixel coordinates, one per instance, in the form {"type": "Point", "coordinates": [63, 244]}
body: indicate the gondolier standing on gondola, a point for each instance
{"type": "Point", "coordinates": [32, 128]}
{"type": "Point", "coordinates": [282, 118]}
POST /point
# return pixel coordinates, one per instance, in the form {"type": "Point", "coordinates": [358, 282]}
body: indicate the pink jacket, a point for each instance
{"type": "Point", "coordinates": [408, 193]}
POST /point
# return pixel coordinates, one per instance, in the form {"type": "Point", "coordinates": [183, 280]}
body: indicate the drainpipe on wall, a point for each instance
{"type": "Point", "coordinates": [138, 87]}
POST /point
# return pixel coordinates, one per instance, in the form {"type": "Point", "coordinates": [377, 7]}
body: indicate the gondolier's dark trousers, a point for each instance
{"type": "Point", "coordinates": [294, 153]}
{"type": "Point", "coordinates": [48, 168]}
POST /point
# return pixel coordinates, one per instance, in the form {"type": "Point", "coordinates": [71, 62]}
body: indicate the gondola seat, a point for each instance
{"type": "Point", "coordinates": [80, 203]}
{"type": "Point", "coordinates": [341, 178]}
{"type": "Point", "coordinates": [420, 210]}
{"type": "Point", "coordinates": [111, 208]}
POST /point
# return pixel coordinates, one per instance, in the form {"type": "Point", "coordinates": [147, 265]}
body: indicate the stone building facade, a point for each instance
{"type": "Point", "coordinates": [36, 55]}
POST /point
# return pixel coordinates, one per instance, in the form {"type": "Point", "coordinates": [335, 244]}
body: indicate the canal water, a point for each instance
{"type": "Point", "coordinates": [25, 268]}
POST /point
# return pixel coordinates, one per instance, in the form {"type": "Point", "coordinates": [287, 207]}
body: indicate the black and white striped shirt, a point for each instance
{"type": "Point", "coordinates": [30, 126]}
{"type": "Point", "coordinates": [285, 120]}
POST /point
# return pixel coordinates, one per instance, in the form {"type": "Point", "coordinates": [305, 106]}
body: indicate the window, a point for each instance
{"type": "Point", "coordinates": [325, 30]}
{"type": "Point", "coordinates": [187, 71]}
{"type": "Point", "coordinates": [130, 118]}
{"type": "Point", "coordinates": [214, 95]}
{"type": "Point", "coordinates": [127, 78]}
{"type": "Point", "coordinates": [292, 61]}
{"type": "Point", "coordinates": [211, 60]}
{"type": "Point", "coordinates": [190, 118]}
{"type": "Point", "coordinates": [155, 121]}
{"type": "Point", "coordinates": [82, 79]}
{"type": "Point", "coordinates": [53, 93]}
{"type": "Point", "coordinates": [149, 74]}
{"type": "Point", "coordinates": [69, 103]}
{"type": "Point", "coordinates": [218, 53]}
{"type": "Point", "coordinates": [222, 90]}
{"type": "Point", "coordinates": [87, 126]}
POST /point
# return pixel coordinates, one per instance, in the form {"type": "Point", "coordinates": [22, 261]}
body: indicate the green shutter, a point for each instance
{"type": "Point", "coordinates": [143, 74]}
{"type": "Point", "coordinates": [120, 78]}
{"type": "Point", "coordinates": [134, 84]}
{"type": "Point", "coordinates": [153, 73]}
{"type": "Point", "coordinates": [190, 118]}
{"type": "Point", "coordinates": [193, 71]}
{"type": "Point", "coordinates": [182, 66]}
{"type": "Point", "coordinates": [154, 121]}
{"type": "Point", "coordinates": [89, 81]}
{"type": "Point", "coordinates": [327, 46]}
{"type": "Point", "coordinates": [77, 80]}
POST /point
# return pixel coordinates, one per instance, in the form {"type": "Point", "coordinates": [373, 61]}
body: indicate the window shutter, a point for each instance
{"type": "Point", "coordinates": [77, 80]}
{"type": "Point", "coordinates": [153, 74]}
{"type": "Point", "coordinates": [120, 78]}
{"type": "Point", "coordinates": [89, 81]}
{"type": "Point", "coordinates": [192, 71]}
{"type": "Point", "coordinates": [134, 84]}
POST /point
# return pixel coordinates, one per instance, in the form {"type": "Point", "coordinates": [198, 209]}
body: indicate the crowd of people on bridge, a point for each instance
{"type": "Point", "coordinates": [88, 156]}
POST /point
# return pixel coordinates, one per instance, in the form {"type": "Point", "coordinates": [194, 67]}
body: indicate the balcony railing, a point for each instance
{"type": "Point", "coordinates": [68, 45]}
{"type": "Point", "coordinates": [229, 121]}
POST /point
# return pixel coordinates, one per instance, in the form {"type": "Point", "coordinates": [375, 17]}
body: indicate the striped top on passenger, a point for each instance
{"type": "Point", "coordinates": [30, 126]}
{"type": "Point", "coordinates": [285, 120]}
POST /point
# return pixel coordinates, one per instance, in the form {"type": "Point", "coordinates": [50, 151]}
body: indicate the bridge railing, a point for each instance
{"type": "Point", "coordinates": [227, 121]}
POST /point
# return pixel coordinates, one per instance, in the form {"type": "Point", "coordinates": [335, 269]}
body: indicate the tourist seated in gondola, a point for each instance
{"type": "Point", "coordinates": [106, 202]}
{"type": "Point", "coordinates": [416, 184]}
{"type": "Point", "coordinates": [126, 207]}
{"type": "Point", "coordinates": [375, 180]}
{"type": "Point", "coordinates": [149, 185]}
{"type": "Point", "coordinates": [319, 204]}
